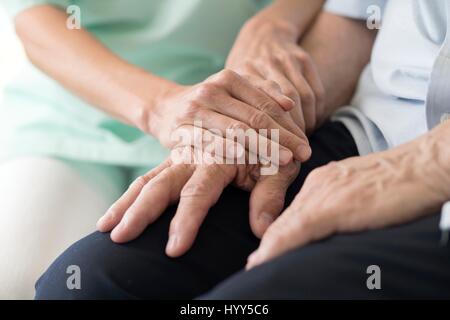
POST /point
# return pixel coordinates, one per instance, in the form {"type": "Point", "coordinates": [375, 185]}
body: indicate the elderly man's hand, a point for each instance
{"type": "Point", "coordinates": [362, 193]}
{"type": "Point", "coordinates": [268, 55]}
{"type": "Point", "coordinates": [197, 188]}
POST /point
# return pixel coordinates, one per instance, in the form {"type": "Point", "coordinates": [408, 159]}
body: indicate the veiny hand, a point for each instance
{"type": "Point", "coordinates": [226, 101]}
{"type": "Point", "coordinates": [197, 188]}
{"type": "Point", "coordinates": [267, 54]}
{"type": "Point", "coordinates": [362, 193]}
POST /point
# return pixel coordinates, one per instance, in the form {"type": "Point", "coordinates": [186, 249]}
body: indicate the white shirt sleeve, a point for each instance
{"type": "Point", "coordinates": [356, 9]}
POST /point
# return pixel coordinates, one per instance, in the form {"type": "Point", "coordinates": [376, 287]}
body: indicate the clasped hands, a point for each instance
{"type": "Point", "coordinates": [271, 83]}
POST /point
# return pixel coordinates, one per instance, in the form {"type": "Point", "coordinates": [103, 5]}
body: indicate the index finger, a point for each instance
{"type": "Point", "coordinates": [199, 194]}
{"type": "Point", "coordinates": [153, 199]}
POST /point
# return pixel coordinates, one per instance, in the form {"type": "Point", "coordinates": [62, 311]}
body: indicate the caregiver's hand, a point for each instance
{"type": "Point", "coordinates": [363, 193]}
{"type": "Point", "coordinates": [197, 188]}
{"type": "Point", "coordinates": [153, 104]}
{"type": "Point", "coordinates": [224, 102]}
{"type": "Point", "coordinates": [266, 52]}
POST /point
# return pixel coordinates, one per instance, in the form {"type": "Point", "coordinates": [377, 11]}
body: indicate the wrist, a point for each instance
{"type": "Point", "coordinates": [434, 158]}
{"type": "Point", "coordinates": [264, 23]}
{"type": "Point", "coordinates": [151, 109]}
{"type": "Point", "coordinates": [292, 17]}
{"type": "Point", "coordinates": [154, 111]}
{"type": "Point", "coordinates": [440, 140]}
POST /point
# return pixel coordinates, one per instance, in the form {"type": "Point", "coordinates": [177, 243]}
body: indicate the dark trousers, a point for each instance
{"type": "Point", "coordinates": [411, 262]}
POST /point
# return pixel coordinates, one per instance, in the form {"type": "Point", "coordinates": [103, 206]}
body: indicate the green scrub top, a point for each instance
{"type": "Point", "coordinates": [181, 40]}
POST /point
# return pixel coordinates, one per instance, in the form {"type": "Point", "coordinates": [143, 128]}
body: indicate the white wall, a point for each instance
{"type": "Point", "coordinates": [11, 53]}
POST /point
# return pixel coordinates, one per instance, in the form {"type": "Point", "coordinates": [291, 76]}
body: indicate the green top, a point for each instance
{"type": "Point", "coordinates": [181, 40]}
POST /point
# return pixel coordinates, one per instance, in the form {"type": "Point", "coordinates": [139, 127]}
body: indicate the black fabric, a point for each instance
{"type": "Point", "coordinates": [412, 263]}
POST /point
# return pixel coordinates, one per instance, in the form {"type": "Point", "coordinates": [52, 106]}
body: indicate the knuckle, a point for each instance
{"type": "Point", "coordinates": [291, 56]}
{"type": "Point", "coordinates": [323, 172]}
{"type": "Point", "coordinates": [267, 105]}
{"type": "Point", "coordinates": [259, 120]}
{"type": "Point", "coordinates": [331, 167]}
{"type": "Point", "coordinates": [157, 182]}
{"type": "Point", "coordinates": [316, 175]}
{"type": "Point", "coordinates": [237, 126]}
{"type": "Point", "coordinates": [191, 110]}
{"type": "Point", "coordinates": [290, 140]}
{"type": "Point", "coordinates": [272, 85]}
{"type": "Point", "coordinates": [142, 180]}
{"type": "Point", "coordinates": [227, 76]}
{"type": "Point", "coordinates": [308, 97]}
{"type": "Point", "coordinates": [249, 66]}
{"type": "Point", "coordinates": [275, 59]}
{"type": "Point", "coordinates": [292, 93]}
{"type": "Point", "coordinates": [304, 57]}
{"type": "Point", "coordinates": [192, 190]}
{"type": "Point", "coordinates": [205, 91]}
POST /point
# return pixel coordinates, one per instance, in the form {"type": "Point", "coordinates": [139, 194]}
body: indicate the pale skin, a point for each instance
{"type": "Point", "coordinates": [197, 188]}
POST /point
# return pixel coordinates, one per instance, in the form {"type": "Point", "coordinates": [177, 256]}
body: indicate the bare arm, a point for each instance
{"type": "Point", "coordinates": [78, 61]}
{"type": "Point", "coordinates": [293, 15]}
{"type": "Point", "coordinates": [341, 48]}
{"type": "Point", "coordinates": [84, 66]}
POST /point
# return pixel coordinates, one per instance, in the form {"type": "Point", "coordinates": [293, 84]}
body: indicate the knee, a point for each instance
{"type": "Point", "coordinates": [97, 268]}
{"type": "Point", "coordinates": [84, 271]}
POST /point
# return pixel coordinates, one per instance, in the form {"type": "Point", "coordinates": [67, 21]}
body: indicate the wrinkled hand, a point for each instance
{"type": "Point", "coordinates": [268, 55]}
{"type": "Point", "coordinates": [225, 103]}
{"type": "Point", "coordinates": [197, 188]}
{"type": "Point", "coordinates": [358, 194]}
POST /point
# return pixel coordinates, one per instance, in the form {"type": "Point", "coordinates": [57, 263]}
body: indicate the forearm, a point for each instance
{"type": "Point", "coordinates": [83, 65]}
{"type": "Point", "coordinates": [432, 156]}
{"type": "Point", "coordinates": [340, 48]}
{"type": "Point", "coordinates": [290, 16]}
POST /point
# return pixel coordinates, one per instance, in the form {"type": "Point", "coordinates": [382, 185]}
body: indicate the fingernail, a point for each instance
{"type": "Point", "coordinates": [172, 244]}
{"type": "Point", "coordinates": [303, 152]}
{"type": "Point", "coordinates": [285, 156]}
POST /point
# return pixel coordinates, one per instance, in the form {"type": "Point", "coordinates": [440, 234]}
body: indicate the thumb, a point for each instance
{"type": "Point", "coordinates": [280, 237]}
{"type": "Point", "coordinates": [267, 198]}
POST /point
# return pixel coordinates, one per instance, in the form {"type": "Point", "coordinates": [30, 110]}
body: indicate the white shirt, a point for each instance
{"type": "Point", "coordinates": [389, 106]}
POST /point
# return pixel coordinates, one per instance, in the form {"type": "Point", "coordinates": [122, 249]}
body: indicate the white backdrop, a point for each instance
{"type": "Point", "coordinates": [11, 53]}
